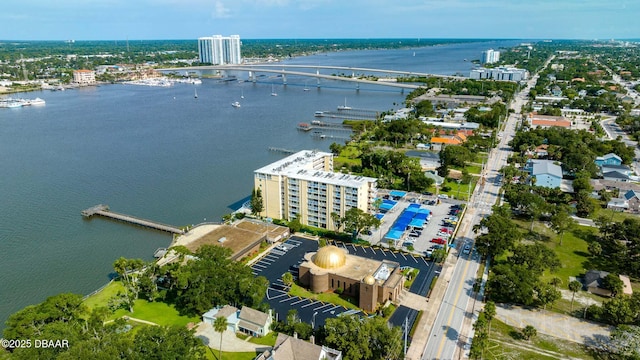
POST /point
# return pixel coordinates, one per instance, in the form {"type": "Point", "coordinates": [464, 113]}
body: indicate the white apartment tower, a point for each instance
{"type": "Point", "coordinates": [219, 50]}
{"type": "Point", "coordinates": [490, 56]}
{"type": "Point", "coordinates": [304, 185]}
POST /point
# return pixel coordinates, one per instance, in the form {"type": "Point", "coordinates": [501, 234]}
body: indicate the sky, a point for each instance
{"type": "Point", "coordinates": [318, 19]}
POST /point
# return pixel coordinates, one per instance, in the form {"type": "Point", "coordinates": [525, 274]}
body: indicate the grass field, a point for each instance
{"type": "Point", "coordinates": [269, 339]}
{"type": "Point", "coordinates": [506, 342]}
{"type": "Point", "coordinates": [102, 298]}
{"type": "Point", "coordinates": [324, 297]}
{"type": "Point", "coordinates": [156, 312]}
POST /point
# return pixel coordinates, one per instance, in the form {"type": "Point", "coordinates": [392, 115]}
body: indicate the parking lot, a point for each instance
{"type": "Point", "coordinates": [441, 210]}
{"type": "Point", "coordinates": [287, 257]}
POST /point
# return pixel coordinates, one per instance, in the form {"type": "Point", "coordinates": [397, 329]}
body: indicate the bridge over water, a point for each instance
{"type": "Point", "coordinates": [282, 70]}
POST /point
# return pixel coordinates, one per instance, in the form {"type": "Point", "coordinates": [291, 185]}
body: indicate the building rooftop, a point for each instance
{"type": "Point", "coordinates": [303, 165]}
{"type": "Point", "coordinates": [353, 267]}
{"type": "Point", "coordinates": [546, 167]}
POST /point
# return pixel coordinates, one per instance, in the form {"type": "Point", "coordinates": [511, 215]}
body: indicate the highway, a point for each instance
{"type": "Point", "coordinates": [450, 337]}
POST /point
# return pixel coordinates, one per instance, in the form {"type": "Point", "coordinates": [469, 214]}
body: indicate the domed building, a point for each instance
{"type": "Point", "coordinates": [370, 281]}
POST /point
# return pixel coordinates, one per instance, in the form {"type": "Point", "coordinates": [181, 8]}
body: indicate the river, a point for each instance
{"type": "Point", "coordinates": [157, 153]}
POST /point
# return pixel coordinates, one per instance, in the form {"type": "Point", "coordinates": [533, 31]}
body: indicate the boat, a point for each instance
{"type": "Point", "coordinates": [36, 102]}
{"type": "Point", "coordinates": [344, 107]}
{"type": "Point", "coordinates": [241, 94]}
{"type": "Point", "coordinates": [273, 92]}
{"type": "Point", "coordinates": [318, 113]}
{"type": "Point", "coordinates": [235, 104]}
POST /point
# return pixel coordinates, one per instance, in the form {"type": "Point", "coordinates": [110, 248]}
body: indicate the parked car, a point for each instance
{"type": "Point", "coordinates": [439, 241]}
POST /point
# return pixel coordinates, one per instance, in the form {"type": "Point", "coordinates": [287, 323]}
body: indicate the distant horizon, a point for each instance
{"type": "Point", "coordinates": [34, 20]}
{"type": "Point", "coordinates": [334, 38]}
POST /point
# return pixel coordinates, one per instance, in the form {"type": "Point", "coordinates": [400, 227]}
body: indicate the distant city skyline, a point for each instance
{"type": "Point", "coordinates": [274, 19]}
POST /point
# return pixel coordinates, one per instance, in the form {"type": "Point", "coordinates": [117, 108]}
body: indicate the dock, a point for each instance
{"type": "Point", "coordinates": [354, 114]}
{"type": "Point", "coordinates": [103, 210]}
{"type": "Point", "coordinates": [319, 125]}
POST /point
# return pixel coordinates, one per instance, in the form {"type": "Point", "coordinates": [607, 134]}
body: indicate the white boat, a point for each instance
{"type": "Point", "coordinates": [36, 102]}
{"type": "Point", "coordinates": [318, 113]}
{"type": "Point", "coordinates": [344, 107]}
{"type": "Point", "coordinates": [235, 104]}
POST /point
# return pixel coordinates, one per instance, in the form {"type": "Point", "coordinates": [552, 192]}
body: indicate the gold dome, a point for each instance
{"type": "Point", "coordinates": [329, 257]}
{"type": "Point", "coordinates": [369, 280]}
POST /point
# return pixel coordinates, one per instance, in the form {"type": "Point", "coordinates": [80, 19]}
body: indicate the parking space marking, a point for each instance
{"type": "Point", "coordinates": [277, 296]}
{"type": "Point", "coordinates": [266, 261]}
{"type": "Point", "coordinates": [374, 250]}
{"type": "Point", "coordinates": [414, 258]}
{"type": "Point", "coordinates": [277, 252]}
{"type": "Point", "coordinates": [287, 299]}
{"type": "Point", "coordinates": [293, 242]}
{"type": "Point", "coordinates": [320, 307]}
{"type": "Point", "coordinates": [383, 252]}
{"type": "Point", "coordinates": [394, 254]}
{"type": "Point", "coordinates": [403, 256]}
{"type": "Point", "coordinates": [425, 261]}
{"type": "Point", "coordinates": [271, 257]}
{"type": "Point", "coordinates": [260, 265]}
{"type": "Point", "coordinates": [254, 273]}
{"type": "Point", "coordinates": [309, 304]}
{"type": "Point", "coordinates": [299, 301]}
{"type": "Point", "coordinates": [332, 309]}
{"type": "Point", "coordinates": [354, 247]}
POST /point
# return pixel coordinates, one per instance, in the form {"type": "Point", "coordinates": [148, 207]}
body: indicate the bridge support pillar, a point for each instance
{"type": "Point", "coordinates": [252, 76]}
{"type": "Point", "coordinates": [318, 79]}
{"type": "Point", "coordinates": [284, 77]}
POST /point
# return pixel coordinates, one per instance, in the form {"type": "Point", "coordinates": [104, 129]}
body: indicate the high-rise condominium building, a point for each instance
{"type": "Point", "coordinates": [219, 50]}
{"type": "Point", "coordinates": [490, 56]}
{"type": "Point", "coordinates": [304, 185]}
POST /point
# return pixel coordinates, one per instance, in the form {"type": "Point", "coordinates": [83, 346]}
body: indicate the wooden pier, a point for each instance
{"type": "Point", "coordinates": [103, 210]}
{"type": "Point", "coordinates": [319, 125]}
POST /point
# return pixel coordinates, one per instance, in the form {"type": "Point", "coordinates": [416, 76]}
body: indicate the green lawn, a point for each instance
{"type": "Point", "coordinates": [505, 342]}
{"type": "Point", "coordinates": [102, 298]}
{"type": "Point", "coordinates": [333, 298]}
{"type": "Point", "coordinates": [462, 193]}
{"type": "Point", "coordinates": [212, 354]}
{"type": "Point", "coordinates": [268, 340]}
{"type": "Point", "coordinates": [156, 312]}
{"type": "Point", "coordinates": [573, 253]}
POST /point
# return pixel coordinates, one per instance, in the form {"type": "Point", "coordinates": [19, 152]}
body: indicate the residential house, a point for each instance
{"type": "Point", "coordinates": [439, 142]}
{"type": "Point", "coordinates": [609, 159]}
{"type": "Point", "coordinates": [618, 204]}
{"type": "Point", "coordinates": [291, 348]}
{"type": "Point", "coordinates": [556, 91]}
{"type": "Point", "coordinates": [545, 172]}
{"type": "Point", "coordinates": [615, 176]}
{"type": "Point", "coordinates": [633, 199]}
{"type": "Point", "coordinates": [593, 282]}
{"type": "Point", "coordinates": [248, 321]}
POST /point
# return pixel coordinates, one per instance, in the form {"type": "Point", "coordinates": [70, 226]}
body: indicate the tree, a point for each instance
{"type": "Point", "coordinates": [287, 278]}
{"type": "Point", "coordinates": [337, 221]}
{"type": "Point", "coordinates": [171, 342]}
{"type": "Point", "coordinates": [363, 338]}
{"type": "Point", "coordinates": [574, 286]}
{"type": "Point", "coordinates": [356, 220]}
{"type": "Point", "coordinates": [220, 325]}
{"type": "Point", "coordinates": [256, 203]}
{"type": "Point", "coordinates": [547, 294]}
{"type": "Point", "coordinates": [529, 331]}
{"type": "Point", "coordinates": [561, 221]}
{"type": "Point", "coordinates": [613, 283]}
{"type": "Point", "coordinates": [594, 248]}
{"type": "Point", "coordinates": [490, 313]}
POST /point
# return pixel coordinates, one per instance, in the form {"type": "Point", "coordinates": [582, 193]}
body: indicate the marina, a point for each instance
{"type": "Point", "coordinates": [103, 210]}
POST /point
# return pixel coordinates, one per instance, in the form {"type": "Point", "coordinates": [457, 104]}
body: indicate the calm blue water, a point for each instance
{"type": "Point", "coordinates": [156, 153]}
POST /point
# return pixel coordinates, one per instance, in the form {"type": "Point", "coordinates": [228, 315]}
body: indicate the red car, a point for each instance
{"type": "Point", "coordinates": [440, 241]}
{"type": "Point", "coordinates": [446, 230]}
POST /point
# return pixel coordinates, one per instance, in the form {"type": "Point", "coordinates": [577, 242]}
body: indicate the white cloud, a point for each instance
{"type": "Point", "coordinates": [220, 11]}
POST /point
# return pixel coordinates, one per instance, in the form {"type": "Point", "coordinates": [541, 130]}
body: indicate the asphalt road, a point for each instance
{"type": "Point", "coordinates": [446, 335]}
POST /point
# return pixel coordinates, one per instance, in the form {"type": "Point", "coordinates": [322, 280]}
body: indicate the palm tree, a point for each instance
{"type": "Point", "coordinates": [574, 286]}
{"type": "Point", "coordinates": [220, 325]}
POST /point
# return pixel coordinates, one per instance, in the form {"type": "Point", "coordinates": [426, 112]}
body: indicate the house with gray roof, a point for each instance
{"type": "Point", "coordinates": [248, 321]}
{"type": "Point", "coordinates": [615, 176]}
{"type": "Point", "coordinates": [291, 348]}
{"type": "Point", "coordinates": [609, 159]}
{"type": "Point", "coordinates": [546, 173]}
